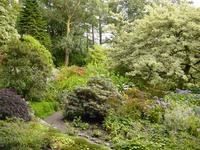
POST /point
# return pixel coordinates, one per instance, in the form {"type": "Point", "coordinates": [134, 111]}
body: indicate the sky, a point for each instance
{"type": "Point", "coordinates": [196, 3]}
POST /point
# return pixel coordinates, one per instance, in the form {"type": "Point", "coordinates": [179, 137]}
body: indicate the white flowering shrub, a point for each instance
{"type": "Point", "coordinates": [163, 47]}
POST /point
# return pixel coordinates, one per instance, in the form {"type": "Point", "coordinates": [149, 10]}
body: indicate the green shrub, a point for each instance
{"type": "Point", "coordinates": [26, 66]}
{"type": "Point", "coordinates": [78, 58]}
{"type": "Point", "coordinates": [77, 123]}
{"type": "Point", "coordinates": [183, 118]}
{"type": "Point", "coordinates": [131, 145]}
{"type": "Point", "coordinates": [17, 135]}
{"type": "Point", "coordinates": [135, 102]}
{"type": "Point", "coordinates": [117, 125]}
{"type": "Point", "coordinates": [67, 78]}
{"type": "Point", "coordinates": [122, 82]}
{"type": "Point", "coordinates": [61, 141]}
{"type": "Point", "coordinates": [97, 55]}
{"type": "Point", "coordinates": [97, 70]}
{"type": "Point", "coordinates": [93, 101]}
{"type": "Point", "coordinates": [133, 108]}
{"type": "Point", "coordinates": [97, 133]}
{"type": "Point", "coordinates": [44, 108]}
{"type": "Point", "coordinates": [12, 105]}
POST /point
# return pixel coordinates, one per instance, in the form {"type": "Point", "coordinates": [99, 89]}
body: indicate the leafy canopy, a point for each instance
{"type": "Point", "coordinates": [163, 47]}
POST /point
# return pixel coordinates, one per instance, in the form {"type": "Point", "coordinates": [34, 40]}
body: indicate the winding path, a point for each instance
{"type": "Point", "coordinates": [56, 121]}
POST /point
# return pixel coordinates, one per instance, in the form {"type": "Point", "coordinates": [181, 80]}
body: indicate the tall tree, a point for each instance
{"type": "Point", "coordinates": [32, 22]}
{"type": "Point", "coordinates": [69, 20]}
{"type": "Point", "coordinates": [69, 13]}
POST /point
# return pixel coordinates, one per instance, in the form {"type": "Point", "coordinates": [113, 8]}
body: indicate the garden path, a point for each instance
{"type": "Point", "coordinates": [56, 121]}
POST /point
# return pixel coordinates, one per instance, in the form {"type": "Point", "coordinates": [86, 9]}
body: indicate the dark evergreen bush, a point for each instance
{"type": "Point", "coordinates": [93, 101]}
{"type": "Point", "coordinates": [12, 105]}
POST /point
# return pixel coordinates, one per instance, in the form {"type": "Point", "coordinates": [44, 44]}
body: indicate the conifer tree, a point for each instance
{"type": "Point", "coordinates": [32, 22]}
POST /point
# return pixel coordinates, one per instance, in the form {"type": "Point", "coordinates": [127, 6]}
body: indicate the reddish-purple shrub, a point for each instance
{"type": "Point", "coordinates": [12, 105]}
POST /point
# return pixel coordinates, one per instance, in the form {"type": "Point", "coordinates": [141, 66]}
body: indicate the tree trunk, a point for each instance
{"type": "Point", "coordinates": [100, 30]}
{"type": "Point", "coordinates": [66, 49]}
{"type": "Point", "coordinates": [68, 26]}
{"type": "Point", "coordinates": [66, 57]}
{"type": "Point", "coordinates": [87, 39]}
{"type": "Point", "coordinates": [186, 72]}
{"type": "Point", "coordinates": [93, 36]}
{"type": "Point", "coordinates": [186, 68]}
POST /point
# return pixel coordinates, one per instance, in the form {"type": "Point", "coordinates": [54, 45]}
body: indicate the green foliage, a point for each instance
{"type": "Point", "coordinates": [97, 54]}
{"type": "Point", "coordinates": [12, 105]}
{"type": "Point", "coordinates": [132, 145]}
{"type": "Point", "coordinates": [44, 108]}
{"type": "Point", "coordinates": [117, 125]}
{"type": "Point", "coordinates": [135, 102]}
{"type": "Point", "coordinates": [97, 133]}
{"type": "Point", "coordinates": [77, 123]}
{"type": "Point", "coordinates": [126, 133]}
{"type": "Point", "coordinates": [158, 123]}
{"type": "Point", "coordinates": [69, 77]}
{"type": "Point", "coordinates": [83, 144]}
{"type": "Point", "coordinates": [131, 9]}
{"type": "Point", "coordinates": [190, 98]}
{"type": "Point", "coordinates": [93, 101]}
{"type": "Point", "coordinates": [121, 82]}
{"type": "Point", "coordinates": [7, 23]}
{"type": "Point", "coordinates": [26, 66]}
{"type": "Point", "coordinates": [161, 47]}
{"type": "Point", "coordinates": [15, 135]}
{"type": "Point", "coordinates": [183, 118]}
{"type": "Point", "coordinates": [97, 70]}
{"type": "Point", "coordinates": [60, 141]}
{"type": "Point", "coordinates": [31, 22]}
{"type": "Point", "coordinates": [78, 58]}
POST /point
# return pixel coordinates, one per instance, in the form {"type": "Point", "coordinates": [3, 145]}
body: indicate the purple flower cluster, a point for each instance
{"type": "Point", "coordinates": [182, 91]}
{"type": "Point", "coordinates": [159, 103]}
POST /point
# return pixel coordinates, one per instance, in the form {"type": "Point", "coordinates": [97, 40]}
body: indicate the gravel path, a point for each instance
{"type": "Point", "coordinates": [56, 120]}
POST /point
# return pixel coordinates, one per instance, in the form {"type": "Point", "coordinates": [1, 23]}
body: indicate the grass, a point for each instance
{"type": "Point", "coordinates": [44, 108]}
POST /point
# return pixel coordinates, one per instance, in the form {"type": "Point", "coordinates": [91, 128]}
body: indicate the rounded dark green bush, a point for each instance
{"type": "Point", "coordinates": [12, 105]}
{"type": "Point", "coordinates": [93, 101]}
{"type": "Point", "coordinates": [26, 66]}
